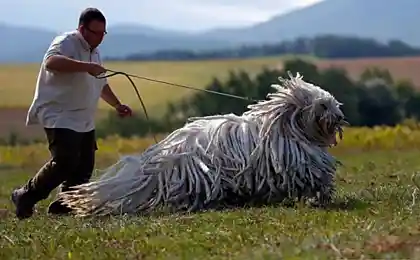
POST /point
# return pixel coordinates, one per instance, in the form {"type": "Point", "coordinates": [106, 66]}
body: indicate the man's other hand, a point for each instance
{"type": "Point", "coordinates": [123, 110]}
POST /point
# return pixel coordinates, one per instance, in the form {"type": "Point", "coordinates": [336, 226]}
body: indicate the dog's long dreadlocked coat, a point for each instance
{"type": "Point", "coordinates": [274, 151]}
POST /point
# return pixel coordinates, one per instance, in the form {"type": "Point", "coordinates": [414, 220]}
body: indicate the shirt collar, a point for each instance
{"type": "Point", "coordinates": [84, 43]}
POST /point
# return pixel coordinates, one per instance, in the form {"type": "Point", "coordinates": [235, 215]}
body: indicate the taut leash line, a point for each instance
{"type": "Point", "coordinates": [179, 85]}
{"type": "Point", "coordinates": [129, 76]}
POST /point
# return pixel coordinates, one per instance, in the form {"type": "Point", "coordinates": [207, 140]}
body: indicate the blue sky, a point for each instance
{"type": "Point", "coordinates": [185, 15]}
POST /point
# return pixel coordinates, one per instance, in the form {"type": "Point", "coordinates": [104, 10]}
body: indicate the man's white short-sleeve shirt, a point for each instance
{"type": "Point", "coordinates": [67, 100]}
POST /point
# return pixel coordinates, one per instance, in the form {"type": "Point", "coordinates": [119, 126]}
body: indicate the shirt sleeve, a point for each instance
{"type": "Point", "coordinates": [61, 45]}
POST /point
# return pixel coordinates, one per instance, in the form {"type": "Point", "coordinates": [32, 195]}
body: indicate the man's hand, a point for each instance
{"type": "Point", "coordinates": [95, 69]}
{"type": "Point", "coordinates": [123, 110]}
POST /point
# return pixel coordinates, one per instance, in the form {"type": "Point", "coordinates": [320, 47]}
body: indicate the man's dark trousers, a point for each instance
{"type": "Point", "coordinates": [72, 163]}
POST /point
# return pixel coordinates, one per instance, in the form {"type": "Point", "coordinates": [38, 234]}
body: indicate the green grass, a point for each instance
{"type": "Point", "coordinates": [373, 218]}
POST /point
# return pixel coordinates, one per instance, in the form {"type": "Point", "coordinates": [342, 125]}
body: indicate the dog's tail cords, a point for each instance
{"type": "Point", "coordinates": [129, 76]}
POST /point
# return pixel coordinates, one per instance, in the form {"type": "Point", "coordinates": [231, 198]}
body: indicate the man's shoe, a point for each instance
{"type": "Point", "coordinates": [57, 208]}
{"type": "Point", "coordinates": [24, 208]}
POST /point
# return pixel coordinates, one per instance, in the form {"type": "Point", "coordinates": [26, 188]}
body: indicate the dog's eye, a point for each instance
{"type": "Point", "coordinates": [324, 106]}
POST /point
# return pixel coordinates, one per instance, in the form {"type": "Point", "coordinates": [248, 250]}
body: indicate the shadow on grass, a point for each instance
{"type": "Point", "coordinates": [339, 204]}
{"type": "Point", "coordinates": [346, 203]}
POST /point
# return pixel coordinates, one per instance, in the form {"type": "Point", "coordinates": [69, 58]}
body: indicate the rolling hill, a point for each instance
{"type": "Point", "coordinates": [373, 19]}
{"type": "Point", "coordinates": [382, 20]}
{"type": "Point", "coordinates": [121, 41]}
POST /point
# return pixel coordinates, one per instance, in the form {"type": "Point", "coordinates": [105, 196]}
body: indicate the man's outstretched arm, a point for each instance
{"type": "Point", "coordinates": [60, 58]}
{"type": "Point", "coordinates": [109, 97]}
{"type": "Point", "coordinates": [61, 63]}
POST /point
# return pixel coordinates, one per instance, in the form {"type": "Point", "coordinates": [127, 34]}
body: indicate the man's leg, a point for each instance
{"type": "Point", "coordinates": [82, 173]}
{"type": "Point", "coordinates": [64, 148]}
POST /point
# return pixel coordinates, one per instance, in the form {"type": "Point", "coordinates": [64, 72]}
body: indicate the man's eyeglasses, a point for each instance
{"type": "Point", "coordinates": [97, 33]}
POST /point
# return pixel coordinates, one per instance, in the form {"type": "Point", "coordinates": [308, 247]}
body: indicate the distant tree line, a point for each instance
{"type": "Point", "coordinates": [374, 99]}
{"type": "Point", "coordinates": [324, 46]}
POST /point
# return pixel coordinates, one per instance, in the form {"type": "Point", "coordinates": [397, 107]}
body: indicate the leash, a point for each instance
{"type": "Point", "coordinates": [129, 76]}
{"type": "Point", "coordinates": [113, 73]}
{"type": "Point", "coordinates": [135, 89]}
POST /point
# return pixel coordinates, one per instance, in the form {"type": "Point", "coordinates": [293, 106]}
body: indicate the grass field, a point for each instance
{"type": "Point", "coordinates": [400, 67]}
{"type": "Point", "coordinates": [18, 82]}
{"type": "Point", "coordinates": [373, 216]}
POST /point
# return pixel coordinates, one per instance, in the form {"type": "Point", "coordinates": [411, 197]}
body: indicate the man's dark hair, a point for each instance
{"type": "Point", "coordinates": [91, 14]}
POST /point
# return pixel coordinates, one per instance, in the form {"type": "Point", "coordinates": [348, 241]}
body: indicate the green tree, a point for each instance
{"type": "Point", "coordinates": [343, 89]}
{"type": "Point", "coordinates": [375, 99]}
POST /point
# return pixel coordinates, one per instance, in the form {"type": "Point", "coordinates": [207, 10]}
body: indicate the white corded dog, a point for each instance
{"type": "Point", "coordinates": [274, 151]}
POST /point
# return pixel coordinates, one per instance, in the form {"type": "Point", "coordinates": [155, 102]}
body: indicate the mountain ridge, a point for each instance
{"type": "Point", "coordinates": [369, 19]}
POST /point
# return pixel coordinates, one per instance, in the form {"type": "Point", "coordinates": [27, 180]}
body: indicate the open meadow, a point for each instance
{"type": "Point", "coordinates": [18, 82]}
{"type": "Point", "coordinates": [18, 85]}
{"type": "Point", "coordinates": [375, 214]}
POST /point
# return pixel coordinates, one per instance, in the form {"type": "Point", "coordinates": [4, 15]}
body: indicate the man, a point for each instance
{"type": "Point", "coordinates": [65, 102]}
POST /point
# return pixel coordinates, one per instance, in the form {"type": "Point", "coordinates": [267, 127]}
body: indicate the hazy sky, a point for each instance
{"type": "Point", "coordinates": [189, 15]}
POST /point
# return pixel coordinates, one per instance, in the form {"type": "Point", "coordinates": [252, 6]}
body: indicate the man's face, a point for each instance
{"type": "Point", "coordinates": [94, 33]}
